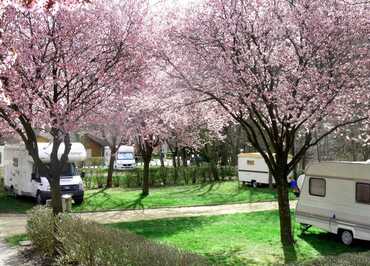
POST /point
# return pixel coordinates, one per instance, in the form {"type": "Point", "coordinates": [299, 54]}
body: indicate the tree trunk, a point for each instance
{"type": "Point", "coordinates": [110, 170]}
{"type": "Point", "coordinates": [174, 164]}
{"type": "Point", "coordinates": [147, 156]}
{"type": "Point", "coordinates": [145, 191]}
{"type": "Point", "coordinates": [184, 158]}
{"type": "Point", "coordinates": [286, 235]}
{"type": "Point", "coordinates": [161, 157]}
{"type": "Point", "coordinates": [56, 195]}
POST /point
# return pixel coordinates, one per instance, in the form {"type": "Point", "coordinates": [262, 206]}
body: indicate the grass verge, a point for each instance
{"type": "Point", "coordinates": [16, 239]}
{"type": "Point", "coordinates": [176, 196]}
{"type": "Point", "coordinates": [242, 239]}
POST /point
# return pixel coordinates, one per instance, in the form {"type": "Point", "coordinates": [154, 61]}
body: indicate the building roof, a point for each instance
{"type": "Point", "coordinates": [340, 169]}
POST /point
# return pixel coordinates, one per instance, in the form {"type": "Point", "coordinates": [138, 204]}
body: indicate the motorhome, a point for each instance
{"type": "Point", "coordinates": [253, 170]}
{"type": "Point", "coordinates": [125, 157]}
{"type": "Point", "coordinates": [22, 177]}
{"type": "Point", "coordinates": [335, 196]}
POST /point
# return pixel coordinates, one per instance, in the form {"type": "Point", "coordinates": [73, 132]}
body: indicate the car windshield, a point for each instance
{"type": "Point", "coordinates": [125, 156]}
{"type": "Point", "coordinates": [68, 170]}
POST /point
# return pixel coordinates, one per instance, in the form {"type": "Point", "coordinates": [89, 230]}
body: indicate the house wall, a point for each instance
{"type": "Point", "coordinates": [93, 148]}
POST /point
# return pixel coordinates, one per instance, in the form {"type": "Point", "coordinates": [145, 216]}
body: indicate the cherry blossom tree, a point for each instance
{"type": "Point", "coordinates": [66, 64]}
{"type": "Point", "coordinates": [279, 68]}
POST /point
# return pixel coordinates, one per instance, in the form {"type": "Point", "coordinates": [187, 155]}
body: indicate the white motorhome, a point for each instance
{"type": "Point", "coordinates": [253, 170]}
{"type": "Point", "coordinates": [125, 157]}
{"type": "Point", "coordinates": [22, 178]}
{"type": "Point", "coordinates": [335, 196]}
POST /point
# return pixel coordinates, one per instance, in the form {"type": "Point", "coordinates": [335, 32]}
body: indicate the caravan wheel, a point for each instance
{"type": "Point", "coordinates": [254, 184]}
{"type": "Point", "coordinates": [346, 237]}
{"type": "Point", "coordinates": [40, 200]}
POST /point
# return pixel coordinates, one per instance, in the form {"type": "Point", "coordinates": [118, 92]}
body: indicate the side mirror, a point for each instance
{"type": "Point", "coordinates": [82, 174]}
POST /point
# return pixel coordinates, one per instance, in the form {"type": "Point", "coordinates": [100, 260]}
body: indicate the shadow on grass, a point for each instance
{"type": "Point", "coordinates": [290, 254]}
{"type": "Point", "coordinates": [329, 244]}
{"type": "Point", "coordinates": [11, 204]}
{"type": "Point", "coordinates": [161, 228]}
{"type": "Point", "coordinates": [136, 204]}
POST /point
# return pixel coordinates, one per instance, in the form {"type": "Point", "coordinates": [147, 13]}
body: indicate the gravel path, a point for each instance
{"type": "Point", "coordinates": [12, 224]}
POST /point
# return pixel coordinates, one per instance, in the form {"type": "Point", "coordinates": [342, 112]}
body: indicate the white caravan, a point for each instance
{"type": "Point", "coordinates": [253, 170]}
{"type": "Point", "coordinates": [22, 178]}
{"type": "Point", "coordinates": [125, 157]}
{"type": "Point", "coordinates": [335, 197]}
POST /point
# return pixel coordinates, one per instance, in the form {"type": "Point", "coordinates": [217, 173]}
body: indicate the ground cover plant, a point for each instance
{"type": "Point", "coordinates": [215, 193]}
{"type": "Point", "coordinates": [82, 242]}
{"type": "Point", "coordinates": [190, 195]}
{"type": "Point", "coordinates": [244, 239]}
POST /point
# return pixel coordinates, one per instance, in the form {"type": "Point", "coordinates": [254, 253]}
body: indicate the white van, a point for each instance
{"type": "Point", "coordinates": [125, 157]}
{"type": "Point", "coordinates": [335, 197]}
{"type": "Point", "coordinates": [22, 178]}
{"type": "Point", "coordinates": [253, 170]}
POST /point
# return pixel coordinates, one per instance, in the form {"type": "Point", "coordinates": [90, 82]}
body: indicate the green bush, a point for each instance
{"type": "Point", "coordinates": [87, 243]}
{"type": "Point", "coordinates": [159, 176]}
{"type": "Point", "coordinates": [40, 226]}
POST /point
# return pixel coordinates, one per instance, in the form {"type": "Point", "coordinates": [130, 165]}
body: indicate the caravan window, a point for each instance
{"type": "Point", "coordinates": [363, 193]}
{"type": "Point", "coordinates": [317, 187]}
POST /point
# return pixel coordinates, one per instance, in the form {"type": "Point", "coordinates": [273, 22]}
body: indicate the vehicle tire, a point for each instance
{"type": "Point", "coordinates": [39, 199]}
{"type": "Point", "coordinates": [346, 237]}
{"type": "Point", "coordinates": [254, 184]}
{"type": "Point", "coordinates": [78, 201]}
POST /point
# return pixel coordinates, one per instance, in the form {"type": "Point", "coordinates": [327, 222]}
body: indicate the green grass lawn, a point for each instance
{"type": "Point", "coordinates": [121, 199]}
{"type": "Point", "coordinates": [10, 204]}
{"type": "Point", "coordinates": [242, 239]}
{"type": "Point", "coordinates": [191, 195]}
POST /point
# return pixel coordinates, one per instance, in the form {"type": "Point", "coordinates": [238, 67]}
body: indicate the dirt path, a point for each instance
{"type": "Point", "coordinates": [11, 224]}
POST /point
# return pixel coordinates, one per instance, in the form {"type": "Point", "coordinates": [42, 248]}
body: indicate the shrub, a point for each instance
{"type": "Point", "coordinates": [87, 243]}
{"type": "Point", "coordinates": [40, 229]}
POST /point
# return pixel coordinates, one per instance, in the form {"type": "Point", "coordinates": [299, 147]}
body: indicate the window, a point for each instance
{"type": "Point", "coordinates": [363, 193]}
{"type": "Point", "coordinates": [317, 187]}
{"type": "Point", "coordinates": [250, 162]}
{"type": "Point", "coordinates": [125, 156]}
{"type": "Point", "coordinates": [15, 162]}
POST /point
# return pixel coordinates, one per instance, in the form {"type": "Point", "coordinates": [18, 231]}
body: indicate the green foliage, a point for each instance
{"type": "Point", "coordinates": [159, 176]}
{"type": "Point", "coordinates": [9, 204]}
{"type": "Point", "coordinates": [86, 243]}
{"type": "Point", "coordinates": [245, 239]}
{"type": "Point", "coordinates": [170, 196]}
{"type": "Point", "coordinates": [40, 229]}
{"type": "Point", "coordinates": [16, 239]}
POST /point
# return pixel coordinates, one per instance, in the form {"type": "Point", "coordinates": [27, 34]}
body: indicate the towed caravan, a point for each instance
{"type": "Point", "coordinates": [22, 178]}
{"type": "Point", "coordinates": [253, 170]}
{"type": "Point", "coordinates": [335, 197]}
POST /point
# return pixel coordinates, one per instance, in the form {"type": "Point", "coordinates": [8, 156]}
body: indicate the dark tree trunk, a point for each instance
{"type": "Point", "coordinates": [286, 235]}
{"type": "Point", "coordinates": [161, 158]}
{"type": "Point", "coordinates": [174, 163]}
{"type": "Point", "coordinates": [147, 156]}
{"type": "Point", "coordinates": [56, 195]}
{"type": "Point", "coordinates": [110, 169]}
{"type": "Point", "coordinates": [184, 158]}
{"type": "Point", "coordinates": [146, 178]}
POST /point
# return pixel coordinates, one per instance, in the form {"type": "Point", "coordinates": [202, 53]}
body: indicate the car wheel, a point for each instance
{"type": "Point", "coordinates": [346, 237]}
{"type": "Point", "coordinates": [78, 201]}
{"type": "Point", "coordinates": [39, 199]}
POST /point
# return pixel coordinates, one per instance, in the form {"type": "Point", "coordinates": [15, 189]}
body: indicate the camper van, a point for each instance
{"type": "Point", "coordinates": [253, 170]}
{"type": "Point", "coordinates": [125, 158]}
{"type": "Point", "coordinates": [335, 196]}
{"type": "Point", "coordinates": [22, 178]}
